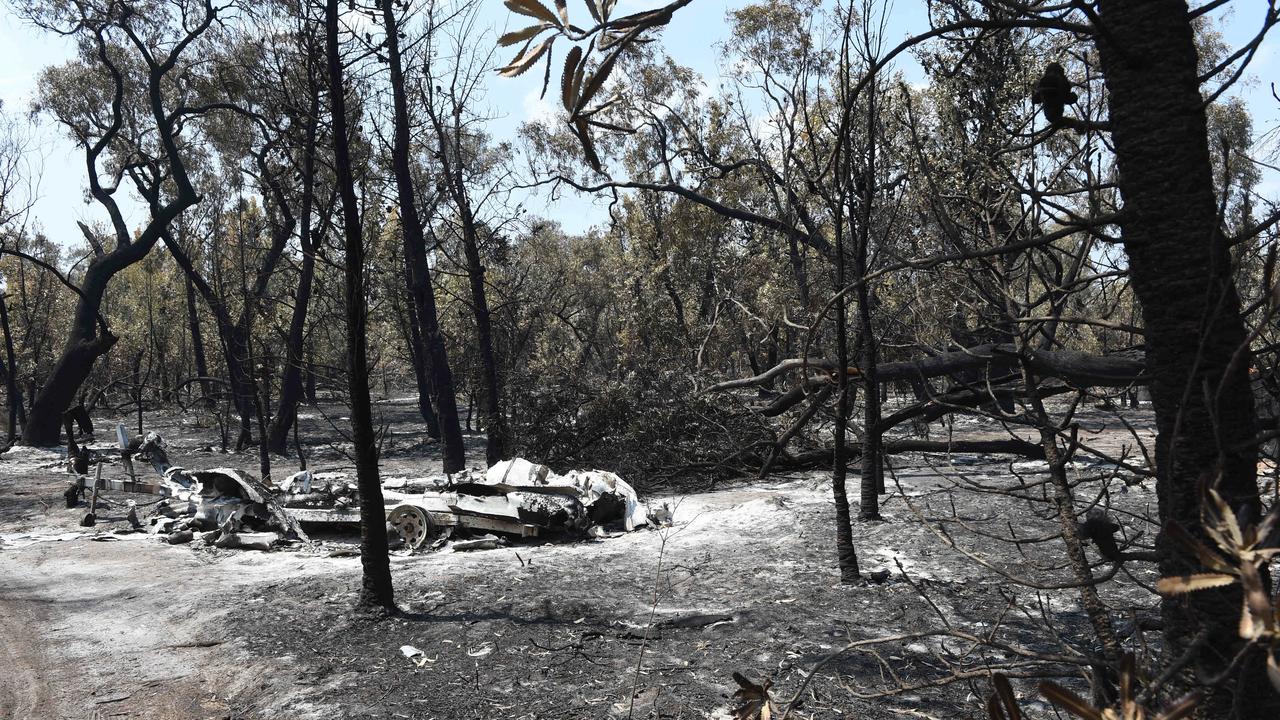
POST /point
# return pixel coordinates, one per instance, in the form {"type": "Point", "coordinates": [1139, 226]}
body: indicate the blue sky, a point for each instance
{"type": "Point", "coordinates": [693, 38]}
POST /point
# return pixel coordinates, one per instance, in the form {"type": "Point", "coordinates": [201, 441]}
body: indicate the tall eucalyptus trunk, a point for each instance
{"type": "Point", "coordinates": [1196, 342]}
{"type": "Point", "coordinates": [291, 390]}
{"type": "Point", "coordinates": [433, 355]}
{"type": "Point", "coordinates": [376, 589]}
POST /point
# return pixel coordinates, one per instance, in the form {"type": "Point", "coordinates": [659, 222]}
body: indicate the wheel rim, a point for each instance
{"type": "Point", "coordinates": [413, 525]}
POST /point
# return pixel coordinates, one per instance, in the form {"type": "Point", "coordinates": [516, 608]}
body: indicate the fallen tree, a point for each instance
{"type": "Point", "coordinates": [822, 457]}
{"type": "Point", "coordinates": [992, 361]}
{"type": "Point", "coordinates": [1076, 368]}
{"type": "Point", "coordinates": [984, 375]}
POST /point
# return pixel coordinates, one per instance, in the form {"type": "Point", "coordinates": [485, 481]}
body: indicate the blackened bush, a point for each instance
{"type": "Point", "coordinates": [655, 430]}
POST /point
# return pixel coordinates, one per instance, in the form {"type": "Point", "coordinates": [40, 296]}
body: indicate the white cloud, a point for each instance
{"type": "Point", "coordinates": [539, 109]}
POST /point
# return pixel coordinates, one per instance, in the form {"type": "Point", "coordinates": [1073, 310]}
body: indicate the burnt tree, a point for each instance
{"type": "Point", "coordinates": [197, 342]}
{"type": "Point", "coordinates": [430, 357]}
{"type": "Point", "coordinates": [376, 591]}
{"type": "Point", "coordinates": [447, 123]}
{"type": "Point", "coordinates": [307, 115]}
{"type": "Point", "coordinates": [236, 333]}
{"type": "Point", "coordinates": [1196, 342]}
{"type": "Point", "coordinates": [88, 337]}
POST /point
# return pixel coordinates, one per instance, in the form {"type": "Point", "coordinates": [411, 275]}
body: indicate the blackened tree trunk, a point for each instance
{"type": "Point", "coordinates": [309, 386]}
{"type": "Point", "coordinates": [291, 390]}
{"type": "Point", "coordinates": [139, 383]}
{"type": "Point", "coordinates": [10, 374]}
{"type": "Point", "coordinates": [376, 590]}
{"type": "Point", "coordinates": [291, 376]}
{"type": "Point", "coordinates": [197, 342]}
{"type": "Point", "coordinates": [1180, 266]}
{"type": "Point", "coordinates": [420, 358]}
{"type": "Point", "coordinates": [846, 554]}
{"type": "Point", "coordinates": [235, 342]}
{"type": "Point", "coordinates": [452, 162]}
{"type": "Point", "coordinates": [261, 407]}
{"type": "Point", "coordinates": [89, 338]}
{"type": "Point", "coordinates": [418, 274]}
{"type": "Point", "coordinates": [872, 483]}
{"type": "Point", "coordinates": [237, 334]}
{"type": "Point", "coordinates": [495, 425]}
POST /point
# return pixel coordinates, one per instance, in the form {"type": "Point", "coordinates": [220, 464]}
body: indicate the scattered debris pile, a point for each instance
{"type": "Point", "coordinates": [308, 490]}
{"type": "Point", "coordinates": [228, 508]}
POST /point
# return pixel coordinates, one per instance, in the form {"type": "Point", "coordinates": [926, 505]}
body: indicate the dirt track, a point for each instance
{"type": "Point", "coordinates": [126, 628]}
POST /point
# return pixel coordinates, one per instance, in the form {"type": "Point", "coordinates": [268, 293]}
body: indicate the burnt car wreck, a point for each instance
{"type": "Point", "coordinates": [514, 497]}
{"type": "Point", "coordinates": [227, 508]}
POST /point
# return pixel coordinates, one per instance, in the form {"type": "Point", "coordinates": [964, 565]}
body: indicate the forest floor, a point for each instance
{"type": "Point", "coordinates": [646, 624]}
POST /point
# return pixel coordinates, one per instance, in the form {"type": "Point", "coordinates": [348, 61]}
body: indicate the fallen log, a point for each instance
{"type": "Point", "coordinates": [1011, 446]}
{"type": "Point", "coordinates": [1076, 368]}
{"type": "Point", "coordinates": [958, 400]}
{"type": "Point", "coordinates": [814, 385]}
{"type": "Point", "coordinates": [823, 457]}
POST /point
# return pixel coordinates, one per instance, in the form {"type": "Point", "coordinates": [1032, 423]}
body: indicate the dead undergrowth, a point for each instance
{"type": "Point", "coordinates": [549, 629]}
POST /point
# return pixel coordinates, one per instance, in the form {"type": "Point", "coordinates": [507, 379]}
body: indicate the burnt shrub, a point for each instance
{"type": "Point", "coordinates": [655, 430]}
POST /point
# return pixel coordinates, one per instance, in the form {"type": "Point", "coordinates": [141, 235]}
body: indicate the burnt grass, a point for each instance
{"type": "Point", "coordinates": [574, 629]}
{"type": "Point", "coordinates": [654, 623]}
{"type": "Point", "coordinates": [554, 644]}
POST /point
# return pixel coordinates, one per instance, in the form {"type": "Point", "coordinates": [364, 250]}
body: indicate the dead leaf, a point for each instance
{"type": "Point", "coordinates": [1003, 704]}
{"type": "Point", "coordinates": [517, 36]}
{"type": "Point", "coordinates": [570, 80]}
{"type": "Point", "coordinates": [756, 703]}
{"type": "Point", "coordinates": [1179, 584]}
{"type": "Point", "coordinates": [1069, 701]}
{"type": "Point", "coordinates": [533, 9]}
{"type": "Point", "coordinates": [526, 60]}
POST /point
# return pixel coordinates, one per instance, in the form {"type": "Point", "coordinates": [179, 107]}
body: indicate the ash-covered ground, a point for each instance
{"type": "Point", "coordinates": [651, 623]}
